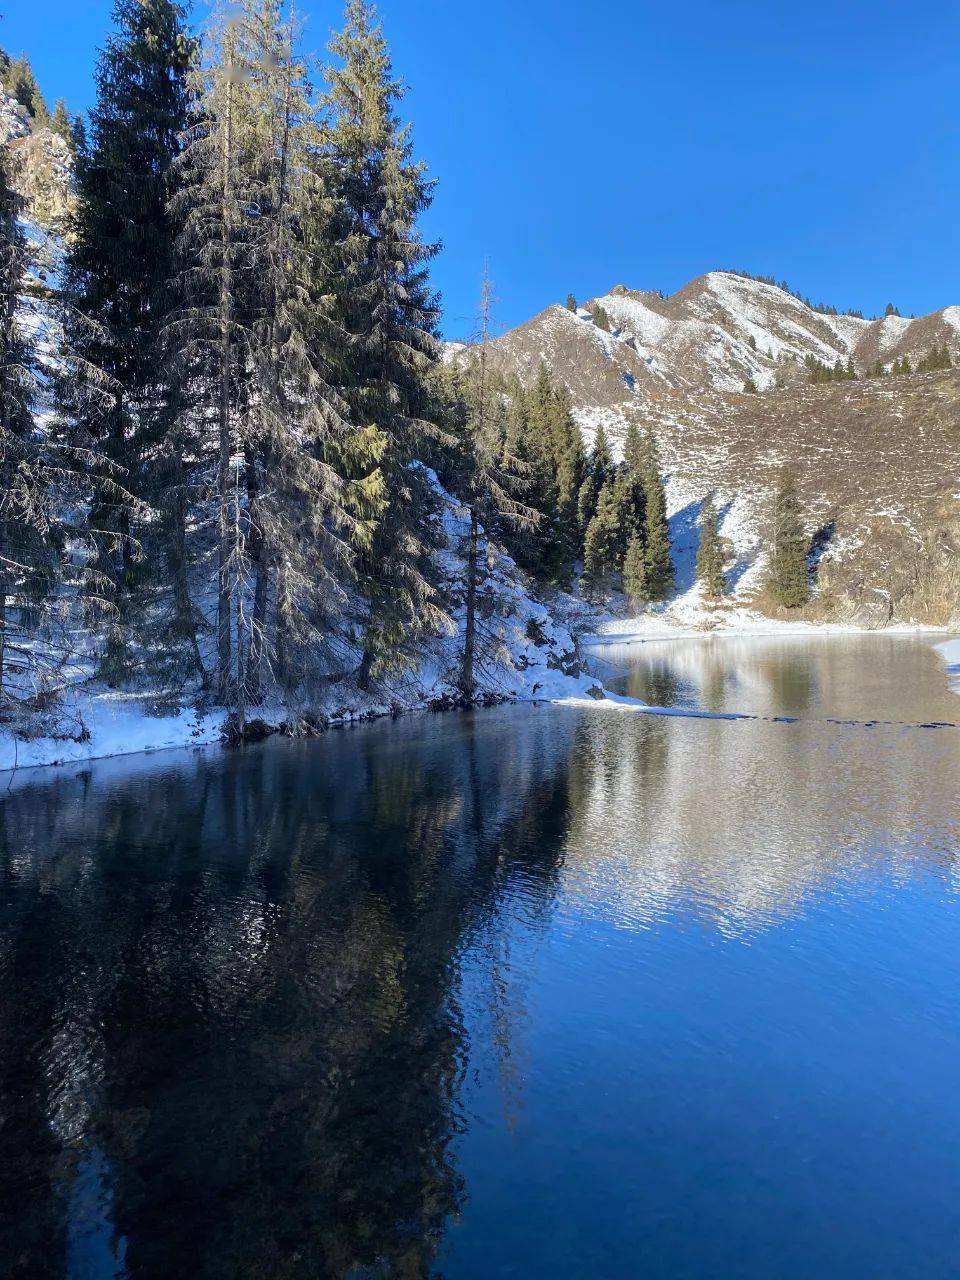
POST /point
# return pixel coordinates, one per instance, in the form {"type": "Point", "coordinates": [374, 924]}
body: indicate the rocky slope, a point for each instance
{"type": "Point", "coordinates": [42, 166]}
{"type": "Point", "coordinates": [876, 458]}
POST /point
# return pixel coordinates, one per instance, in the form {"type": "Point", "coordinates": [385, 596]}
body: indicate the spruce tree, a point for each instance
{"type": "Point", "coordinates": [659, 561]}
{"type": "Point", "coordinates": [489, 478]}
{"type": "Point", "coordinates": [21, 83]}
{"type": "Point", "coordinates": [710, 556]}
{"type": "Point", "coordinates": [571, 302]}
{"type": "Point", "coordinates": [635, 573]}
{"type": "Point", "coordinates": [296, 483]}
{"type": "Point", "coordinates": [599, 470]}
{"type": "Point", "coordinates": [601, 558]}
{"type": "Point", "coordinates": [636, 463]}
{"type": "Point", "coordinates": [571, 467]}
{"type": "Point", "coordinates": [388, 315]}
{"type": "Point", "coordinates": [47, 479]}
{"type": "Point", "coordinates": [118, 272]}
{"type": "Point", "coordinates": [60, 122]}
{"type": "Point", "coordinates": [788, 579]}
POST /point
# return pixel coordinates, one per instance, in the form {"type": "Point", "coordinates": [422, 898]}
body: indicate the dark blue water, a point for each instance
{"type": "Point", "coordinates": [536, 993]}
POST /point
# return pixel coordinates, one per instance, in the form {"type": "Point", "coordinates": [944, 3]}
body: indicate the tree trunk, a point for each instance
{"type": "Point", "coordinates": [257, 553]}
{"type": "Point", "coordinates": [365, 670]}
{"type": "Point", "coordinates": [224, 595]}
{"type": "Point", "coordinates": [467, 683]}
{"type": "Point", "coordinates": [123, 577]}
{"type": "Point", "coordinates": [185, 621]}
{"type": "Point", "coordinates": [282, 644]}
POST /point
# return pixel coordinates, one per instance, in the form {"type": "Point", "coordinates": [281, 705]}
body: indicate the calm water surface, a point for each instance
{"type": "Point", "coordinates": [530, 993]}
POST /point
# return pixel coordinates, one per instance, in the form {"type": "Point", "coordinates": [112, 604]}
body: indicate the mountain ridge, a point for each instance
{"type": "Point", "coordinates": [718, 372]}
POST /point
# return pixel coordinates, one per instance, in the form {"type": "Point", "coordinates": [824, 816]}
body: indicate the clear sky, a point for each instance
{"type": "Point", "coordinates": [578, 145]}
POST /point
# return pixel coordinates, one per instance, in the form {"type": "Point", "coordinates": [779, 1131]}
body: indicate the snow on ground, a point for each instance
{"type": "Point", "coordinates": [738, 621]}
{"type": "Point", "coordinates": [526, 654]}
{"type": "Point", "coordinates": [112, 724]}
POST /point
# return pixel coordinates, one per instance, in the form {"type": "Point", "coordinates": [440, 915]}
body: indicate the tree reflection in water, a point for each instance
{"type": "Point", "coordinates": [294, 1011]}
{"type": "Point", "coordinates": [231, 1041]}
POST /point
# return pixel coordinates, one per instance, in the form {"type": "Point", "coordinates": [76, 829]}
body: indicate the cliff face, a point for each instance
{"type": "Point", "coordinates": [41, 166]}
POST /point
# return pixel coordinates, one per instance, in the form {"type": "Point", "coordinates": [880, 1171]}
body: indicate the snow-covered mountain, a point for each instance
{"type": "Point", "coordinates": [718, 373]}
{"type": "Point", "coordinates": [720, 332]}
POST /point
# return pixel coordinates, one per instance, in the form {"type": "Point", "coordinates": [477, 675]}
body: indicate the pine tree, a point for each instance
{"type": "Point", "coordinates": [46, 478]}
{"type": "Point", "coordinates": [296, 483]}
{"type": "Point", "coordinates": [490, 480]}
{"type": "Point", "coordinates": [601, 556]}
{"type": "Point", "coordinates": [788, 578]}
{"type": "Point", "coordinates": [21, 84]}
{"type": "Point", "coordinates": [659, 561]}
{"type": "Point", "coordinates": [635, 572]}
{"type": "Point", "coordinates": [60, 122]}
{"type": "Point", "coordinates": [388, 315]}
{"type": "Point", "coordinates": [119, 267]}
{"type": "Point", "coordinates": [571, 302]}
{"type": "Point", "coordinates": [710, 556]}
{"type": "Point", "coordinates": [571, 468]}
{"type": "Point", "coordinates": [599, 470]}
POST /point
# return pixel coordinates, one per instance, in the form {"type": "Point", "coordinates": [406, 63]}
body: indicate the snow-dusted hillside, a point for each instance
{"type": "Point", "coordinates": [875, 458]}
{"type": "Point", "coordinates": [721, 332]}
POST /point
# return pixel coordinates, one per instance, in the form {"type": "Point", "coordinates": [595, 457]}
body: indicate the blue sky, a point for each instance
{"type": "Point", "coordinates": [579, 145]}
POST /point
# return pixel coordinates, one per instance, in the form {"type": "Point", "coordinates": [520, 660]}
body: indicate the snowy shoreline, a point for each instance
{"type": "Point", "coordinates": [626, 631]}
{"type": "Point", "coordinates": [119, 725]}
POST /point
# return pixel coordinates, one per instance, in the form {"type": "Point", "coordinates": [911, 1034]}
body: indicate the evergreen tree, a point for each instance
{"type": "Point", "coordinates": [660, 575]}
{"type": "Point", "coordinates": [45, 480]}
{"type": "Point", "coordinates": [388, 315]}
{"type": "Point", "coordinates": [601, 558]}
{"type": "Point", "coordinates": [710, 556]}
{"type": "Point", "coordinates": [600, 317]}
{"type": "Point", "coordinates": [599, 470]}
{"type": "Point", "coordinates": [635, 572]}
{"type": "Point", "coordinates": [788, 578]}
{"type": "Point", "coordinates": [571, 302]}
{"type": "Point", "coordinates": [545, 438]}
{"type": "Point", "coordinates": [255, 253]}
{"type": "Point", "coordinates": [659, 561]}
{"type": "Point", "coordinates": [490, 480]}
{"type": "Point", "coordinates": [60, 122]}
{"type": "Point", "coordinates": [571, 468]}
{"type": "Point", "coordinates": [119, 267]}
{"type": "Point", "coordinates": [935, 359]}
{"type": "Point", "coordinates": [21, 83]}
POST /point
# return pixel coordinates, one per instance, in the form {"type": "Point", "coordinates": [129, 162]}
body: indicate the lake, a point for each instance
{"type": "Point", "coordinates": [532, 992]}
